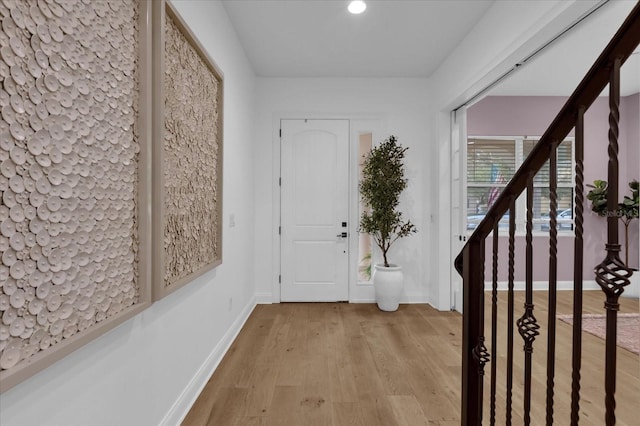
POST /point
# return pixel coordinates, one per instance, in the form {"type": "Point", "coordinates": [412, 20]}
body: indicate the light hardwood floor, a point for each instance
{"type": "Point", "coordinates": [350, 364]}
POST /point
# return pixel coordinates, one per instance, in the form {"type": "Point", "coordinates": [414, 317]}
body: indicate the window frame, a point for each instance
{"type": "Point", "coordinates": [521, 208]}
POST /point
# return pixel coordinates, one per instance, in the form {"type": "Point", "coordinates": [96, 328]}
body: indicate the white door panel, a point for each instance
{"type": "Point", "coordinates": [315, 205]}
{"type": "Point", "coordinates": [314, 159]}
{"type": "Point", "coordinates": [458, 198]}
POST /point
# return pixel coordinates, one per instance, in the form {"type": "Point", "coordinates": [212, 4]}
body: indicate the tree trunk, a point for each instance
{"type": "Point", "coordinates": [384, 255]}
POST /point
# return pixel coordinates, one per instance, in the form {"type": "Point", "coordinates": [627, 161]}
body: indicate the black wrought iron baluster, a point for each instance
{"type": "Point", "coordinates": [612, 275]}
{"type": "Point", "coordinates": [578, 256]}
{"type": "Point", "coordinates": [510, 310]}
{"type": "Point", "coordinates": [480, 352]}
{"type": "Point", "coordinates": [527, 324]}
{"type": "Point", "coordinates": [494, 326]}
{"type": "Point", "coordinates": [553, 277]}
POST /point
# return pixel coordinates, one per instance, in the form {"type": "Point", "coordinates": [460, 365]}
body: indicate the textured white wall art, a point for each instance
{"type": "Point", "coordinates": [189, 124]}
{"type": "Point", "coordinates": [71, 136]}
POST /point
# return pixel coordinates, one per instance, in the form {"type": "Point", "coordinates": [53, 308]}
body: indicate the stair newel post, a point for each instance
{"type": "Point", "coordinates": [472, 334]}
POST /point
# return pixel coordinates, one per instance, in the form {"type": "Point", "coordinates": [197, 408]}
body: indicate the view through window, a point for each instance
{"type": "Point", "coordinates": [364, 240]}
{"type": "Point", "coordinates": [492, 162]}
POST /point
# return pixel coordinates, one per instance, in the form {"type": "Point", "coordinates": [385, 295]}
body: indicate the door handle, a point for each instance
{"type": "Point", "coordinates": [342, 235]}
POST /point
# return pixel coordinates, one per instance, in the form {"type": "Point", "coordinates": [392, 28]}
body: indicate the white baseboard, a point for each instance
{"type": "Point", "coordinates": [363, 300]}
{"type": "Point", "coordinates": [542, 285]}
{"type": "Point", "coordinates": [416, 298]}
{"type": "Point", "coordinates": [407, 299]}
{"type": "Point", "coordinates": [264, 298]}
{"type": "Point", "coordinates": [183, 404]}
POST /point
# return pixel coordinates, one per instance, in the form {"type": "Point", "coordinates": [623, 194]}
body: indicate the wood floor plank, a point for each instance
{"type": "Point", "coordinates": [389, 363]}
{"type": "Point", "coordinates": [315, 410]}
{"type": "Point", "coordinates": [251, 421]}
{"type": "Point", "coordinates": [274, 347]}
{"type": "Point", "coordinates": [346, 414]}
{"type": "Point", "coordinates": [296, 345]}
{"type": "Point", "coordinates": [225, 409]}
{"type": "Point", "coordinates": [341, 380]}
{"type": "Point", "coordinates": [285, 407]}
{"type": "Point", "coordinates": [377, 412]}
{"type": "Point", "coordinates": [351, 364]}
{"type": "Point", "coordinates": [407, 411]}
{"type": "Point", "coordinates": [430, 390]}
{"type": "Point", "coordinates": [369, 385]}
{"type": "Point", "coordinates": [260, 392]}
{"type": "Point", "coordinates": [202, 408]}
{"type": "Point", "coordinates": [315, 404]}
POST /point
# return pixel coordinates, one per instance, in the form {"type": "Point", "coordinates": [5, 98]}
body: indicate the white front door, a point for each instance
{"type": "Point", "coordinates": [314, 210]}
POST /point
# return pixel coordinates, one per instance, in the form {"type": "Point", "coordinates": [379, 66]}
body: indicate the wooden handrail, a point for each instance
{"type": "Point", "coordinates": [621, 46]}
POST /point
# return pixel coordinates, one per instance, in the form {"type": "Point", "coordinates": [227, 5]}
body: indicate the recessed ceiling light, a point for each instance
{"type": "Point", "coordinates": [357, 7]}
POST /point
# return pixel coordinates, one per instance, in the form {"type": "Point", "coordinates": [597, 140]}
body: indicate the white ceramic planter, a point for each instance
{"type": "Point", "coordinates": [388, 283]}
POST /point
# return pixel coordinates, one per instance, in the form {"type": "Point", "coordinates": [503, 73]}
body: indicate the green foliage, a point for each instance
{"type": "Point", "coordinates": [627, 210]}
{"type": "Point", "coordinates": [629, 205]}
{"type": "Point", "coordinates": [382, 183]}
{"type": "Point", "coordinates": [598, 197]}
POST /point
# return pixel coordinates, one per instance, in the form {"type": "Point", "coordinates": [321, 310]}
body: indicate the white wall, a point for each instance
{"type": "Point", "coordinates": [400, 103]}
{"type": "Point", "coordinates": [146, 370]}
{"type": "Point", "coordinates": [507, 33]}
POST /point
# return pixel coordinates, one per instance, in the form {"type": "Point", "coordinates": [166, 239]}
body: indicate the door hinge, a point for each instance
{"type": "Point", "coordinates": [280, 132]}
{"type": "Point", "coordinates": [280, 279]}
{"type": "Point", "coordinates": [280, 181]}
{"type": "Point", "coordinates": [279, 230]}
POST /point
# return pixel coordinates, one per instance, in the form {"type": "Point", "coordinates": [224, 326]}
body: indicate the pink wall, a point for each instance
{"type": "Point", "coordinates": [630, 131]}
{"type": "Point", "coordinates": [530, 116]}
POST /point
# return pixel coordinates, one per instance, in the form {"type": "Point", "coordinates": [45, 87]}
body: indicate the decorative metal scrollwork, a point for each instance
{"type": "Point", "coordinates": [481, 355]}
{"type": "Point", "coordinates": [612, 275]}
{"type": "Point", "coordinates": [528, 328]}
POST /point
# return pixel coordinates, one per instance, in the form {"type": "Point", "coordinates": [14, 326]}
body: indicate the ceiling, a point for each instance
{"type": "Point", "coordinates": [312, 38]}
{"type": "Point", "coordinates": [409, 38]}
{"type": "Point", "coordinates": [560, 67]}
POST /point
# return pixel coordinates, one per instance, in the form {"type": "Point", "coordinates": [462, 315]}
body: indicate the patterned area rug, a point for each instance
{"type": "Point", "coordinates": [628, 328]}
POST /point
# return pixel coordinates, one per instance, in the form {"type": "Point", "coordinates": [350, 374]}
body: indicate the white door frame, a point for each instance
{"type": "Point", "coordinates": [358, 123]}
{"type": "Point", "coordinates": [360, 292]}
{"type": "Point", "coordinates": [458, 198]}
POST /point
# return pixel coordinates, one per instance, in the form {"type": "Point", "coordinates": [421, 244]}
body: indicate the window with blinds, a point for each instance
{"type": "Point", "coordinates": [492, 162]}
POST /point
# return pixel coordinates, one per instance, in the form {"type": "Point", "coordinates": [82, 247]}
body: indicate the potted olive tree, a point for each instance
{"type": "Point", "coordinates": [627, 211]}
{"type": "Point", "coordinates": [382, 183]}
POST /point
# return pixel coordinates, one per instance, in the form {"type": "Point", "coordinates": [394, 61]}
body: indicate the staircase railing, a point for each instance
{"type": "Point", "coordinates": [611, 275]}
